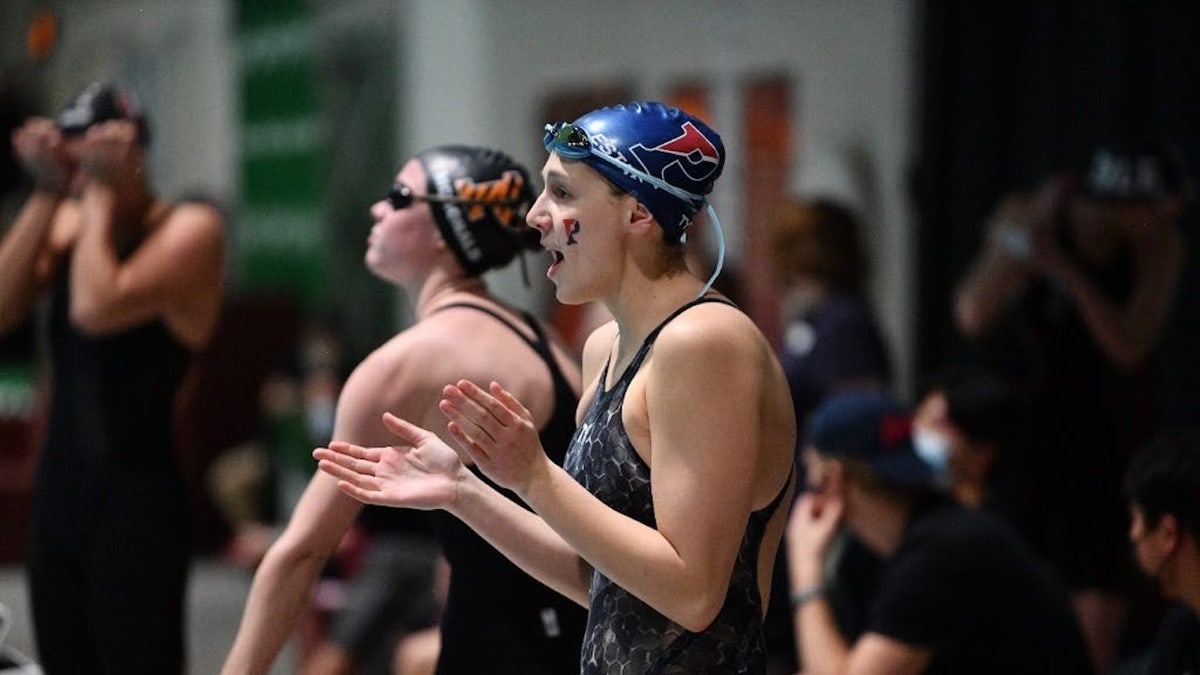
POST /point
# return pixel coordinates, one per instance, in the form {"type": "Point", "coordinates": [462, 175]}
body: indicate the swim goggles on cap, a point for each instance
{"type": "Point", "coordinates": [572, 142]}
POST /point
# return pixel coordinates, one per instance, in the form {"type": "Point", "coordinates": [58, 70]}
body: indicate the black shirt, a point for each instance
{"type": "Point", "coordinates": [963, 584]}
{"type": "Point", "coordinates": [1176, 649]}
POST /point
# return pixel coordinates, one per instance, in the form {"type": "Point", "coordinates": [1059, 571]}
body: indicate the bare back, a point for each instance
{"type": "Point", "coordinates": [463, 343]}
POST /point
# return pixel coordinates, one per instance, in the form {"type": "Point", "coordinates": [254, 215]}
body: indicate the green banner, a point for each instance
{"type": "Point", "coordinates": [279, 236]}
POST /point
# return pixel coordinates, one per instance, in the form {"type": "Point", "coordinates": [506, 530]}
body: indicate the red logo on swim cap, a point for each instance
{"type": "Point", "coordinates": [693, 145]}
{"type": "Point", "coordinates": [691, 151]}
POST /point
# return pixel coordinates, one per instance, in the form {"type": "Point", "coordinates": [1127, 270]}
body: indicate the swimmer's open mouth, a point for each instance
{"type": "Point", "coordinates": [556, 258]}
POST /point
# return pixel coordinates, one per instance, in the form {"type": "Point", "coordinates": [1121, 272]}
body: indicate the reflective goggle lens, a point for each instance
{"type": "Point", "coordinates": [401, 196]}
{"type": "Point", "coordinates": [567, 140]}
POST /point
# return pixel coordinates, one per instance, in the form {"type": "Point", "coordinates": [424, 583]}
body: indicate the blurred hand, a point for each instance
{"type": "Point", "coordinates": [39, 148]}
{"type": "Point", "coordinates": [497, 432]}
{"type": "Point", "coordinates": [1046, 212]}
{"type": "Point", "coordinates": [109, 151]}
{"type": "Point", "coordinates": [421, 473]}
{"type": "Point", "coordinates": [811, 527]}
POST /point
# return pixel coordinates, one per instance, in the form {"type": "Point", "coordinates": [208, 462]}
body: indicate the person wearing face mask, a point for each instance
{"type": "Point", "coordinates": [1162, 486]}
{"type": "Point", "coordinates": [960, 591]}
{"type": "Point", "coordinates": [962, 427]}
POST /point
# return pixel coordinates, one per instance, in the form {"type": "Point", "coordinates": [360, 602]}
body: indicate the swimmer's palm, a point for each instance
{"type": "Point", "coordinates": [421, 473]}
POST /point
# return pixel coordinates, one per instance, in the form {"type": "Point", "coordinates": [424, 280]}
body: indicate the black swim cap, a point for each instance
{"type": "Point", "coordinates": [485, 225]}
{"type": "Point", "coordinates": [100, 102]}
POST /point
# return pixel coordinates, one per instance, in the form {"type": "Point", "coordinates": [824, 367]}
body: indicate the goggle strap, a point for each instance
{"type": "Point", "coordinates": [643, 176]}
{"type": "Point", "coordinates": [716, 224]}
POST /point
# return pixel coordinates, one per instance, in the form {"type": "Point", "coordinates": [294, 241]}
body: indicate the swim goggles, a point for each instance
{"type": "Point", "coordinates": [401, 197]}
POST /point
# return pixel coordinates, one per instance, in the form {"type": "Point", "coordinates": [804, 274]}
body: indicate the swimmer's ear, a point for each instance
{"type": "Point", "coordinates": [640, 218]}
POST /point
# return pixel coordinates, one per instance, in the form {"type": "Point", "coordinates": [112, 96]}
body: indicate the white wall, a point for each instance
{"type": "Point", "coordinates": [176, 55]}
{"type": "Point", "coordinates": [477, 71]}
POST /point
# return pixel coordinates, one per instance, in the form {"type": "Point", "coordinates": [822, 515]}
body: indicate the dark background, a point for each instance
{"type": "Point", "coordinates": [1013, 90]}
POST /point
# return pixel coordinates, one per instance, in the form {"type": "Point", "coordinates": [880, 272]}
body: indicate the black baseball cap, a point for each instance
{"type": "Point", "coordinates": [1137, 171]}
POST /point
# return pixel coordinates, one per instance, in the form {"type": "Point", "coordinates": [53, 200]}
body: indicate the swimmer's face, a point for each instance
{"type": "Point", "coordinates": [404, 243]}
{"type": "Point", "coordinates": [580, 220]}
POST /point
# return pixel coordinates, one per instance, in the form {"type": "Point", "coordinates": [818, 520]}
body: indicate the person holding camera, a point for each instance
{"type": "Point", "coordinates": [1086, 271]}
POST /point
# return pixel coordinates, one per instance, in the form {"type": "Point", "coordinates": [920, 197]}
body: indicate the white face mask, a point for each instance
{"type": "Point", "coordinates": [934, 449]}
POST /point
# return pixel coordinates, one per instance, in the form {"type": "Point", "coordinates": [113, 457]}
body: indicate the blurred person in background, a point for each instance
{"type": "Point", "coordinates": [134, 283]}
{"type": "Point", "coordinates": [452, 213]}
{"type": "Point", "coordinates": [831, 342]}
{"type": "Point", "coordinates": [1162, 486]}
{"type": "Point", "coordinates": [960, 592]}
{"type": "Point", "coordinates": [963, 427]}
{"type": "Point", "coordinates": [831, 337]}
{"type": "Point", "coordinates": [1086, 270]}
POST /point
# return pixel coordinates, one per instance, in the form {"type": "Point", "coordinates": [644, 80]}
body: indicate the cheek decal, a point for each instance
{"type": "Point", "coordinates": [572, 227]}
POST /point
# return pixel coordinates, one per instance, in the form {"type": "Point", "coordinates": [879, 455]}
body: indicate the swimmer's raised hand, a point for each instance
{"type": "Point", "coordinates": [498, 433]}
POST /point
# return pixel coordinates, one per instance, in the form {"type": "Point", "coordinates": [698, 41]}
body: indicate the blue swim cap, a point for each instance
{"type": "Point", "coordinates": [661, 155]}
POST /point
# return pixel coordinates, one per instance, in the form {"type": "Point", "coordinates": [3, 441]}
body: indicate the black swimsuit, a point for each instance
{"type": "Point", "coordinates": [111, 534]}
{"type": "Point", "coordinates": [498, 619]}
{"type": "Point", "coordinates": [625, 635]}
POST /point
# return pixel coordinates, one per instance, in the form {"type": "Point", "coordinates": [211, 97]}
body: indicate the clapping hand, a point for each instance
{"type": "Point", "coordinates": [420, 472]}
{"type": "Point", "coordinates": [497, 432]}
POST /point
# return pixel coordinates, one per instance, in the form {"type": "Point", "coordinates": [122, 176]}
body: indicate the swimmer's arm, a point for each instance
{"type": "Point", "coordinates": [284, 579]}
{"type": "Point", "coordinates": [28, 252]}
{"type": "Point", "coordinates": [525, 539]}
{"type": "Point", "coordinates": [512, 529]}
{"type": "Point", "coordinates": [176, 262]}
{"type": "Point", "coordinates": [702, 402]}
{"type": "Point", "coordinates": [1126, 333]}
{"type": "Point", "coordinates": [29, 257]}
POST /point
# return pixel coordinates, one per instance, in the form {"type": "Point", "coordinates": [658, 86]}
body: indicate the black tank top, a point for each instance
{"type": "Point", "coordinates": [624, 634]}
{"type": "Point", "coordinates": [498, 619]}
{"type": "Point", "coordinates": [111, 411]}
